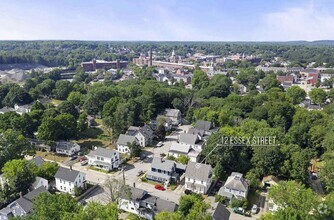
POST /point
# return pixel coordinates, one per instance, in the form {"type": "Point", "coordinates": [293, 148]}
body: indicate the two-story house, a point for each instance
{"type": "Point", "coordinates": [67, 148]}
{"type": "Point", "coordinates": [191, 140]}
{"type": "Point", "coordinates": [162, 170]}
{"type": "Point", "coordinates": [67, 179]}
{"type": "Point", "coordinates": [141, 203]}
{"type": "Point", "coordinates": [22, 206]}
{"type": "Point", "coordinates": [105, 159]}
{"type": "Point", "coordinates": [123, 142]}
{"type": "Point", "coordinates": [235, 186]}
{"type": "Point", "coordinates": [174, 115]}
{"type": "Point", "coordinates": [198, 177]}
{"type": "Point", "coordinates": [144, 135]}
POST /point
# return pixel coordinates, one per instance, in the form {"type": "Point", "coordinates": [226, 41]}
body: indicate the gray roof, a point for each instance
{"type": "Point", "coordinates": [172, 112]}
{"type": "Point", "coordinates": [134, 193]}
{"type": "Point", "coordinates": [188, 138]}
{"type": "Point", "coordinates": [162, 164]}
{"type": "Point", "coordinates": [203, 125]}
{"type": "Point", "coordinates": [146, 131]}
{"type": "Point", "coordinates": [179, 148]}
{"type": "Point", "coordinates": [39, 161]}
{"type": "Point", "coordinates": [196, 131]}
{"type": "Point", "coordinates": [124, 139]}
{"type": "Point", "coordinates": [102, 152]}
{"type": "Point", "coordinates": [221, 212]}
{"type": "Point", "coordinates": [67, 174]}
{"type": "Point", "coordinates": [198, 171]}
{"type": "Point", "coordinates": [164, 205]}
{"type": "Point", "coordinates": [65, 145]}
{"type": "Point", "coordinates": [37, 180]}
{"type": "Point", "coordinates": [236, 182]}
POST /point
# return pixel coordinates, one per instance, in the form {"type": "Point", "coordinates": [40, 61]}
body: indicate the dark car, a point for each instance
{"type": "Point", "coordinates": [73, 157]}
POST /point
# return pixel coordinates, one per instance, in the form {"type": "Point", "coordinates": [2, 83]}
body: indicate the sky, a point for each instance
{"type": "Point", "coordinates": [167, 20]}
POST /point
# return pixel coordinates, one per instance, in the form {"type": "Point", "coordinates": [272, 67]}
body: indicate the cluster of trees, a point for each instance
{"type": "Point", "coordinates": [299, 202]}
{"type": "Point", "coordinates": [19, 174]}
{"type": "Point", "coordinates": [71, 53]}
{"type": "Point", "coordinates": [191, 207]}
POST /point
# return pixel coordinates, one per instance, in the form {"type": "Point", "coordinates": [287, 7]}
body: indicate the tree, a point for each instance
{"type": "Point", "coordinates": [37, 106]}
{"type": "Point", "coordinates": [135, 149]}
{"type": "Point", "coordinates": [62, 90]}
{"type": "Point", "coordinates": [19, 174]}
{"type": "Point", "coordinates": [12, 146]}
{"type": "Point", "coordinates": [16, 95]}
{"type": "Point", "coordinates": [95, 210]}
{"type": "Point", "coordinates": [54, 206]}
{"type": "Point", "coordinates": [327, 172]}
{"type": "Point", "coordinates": [318, 96]}
{"type": "Point", "coordinates": [46, 87]}
{"type": "Point", "coordinates": [115, 188]}
{"type": "Point", "coordinates": [269, 82]}
{"type": "Point", "coordinates": [110, 106]}
{"type": "Point", "coordinates": [49, 130]}
{"type": "Point", "coordinates": [168, 216]}
{"type": "Point", "coordinates": [47, 170]}
{"type": "Point", "coordinates": [200, 79]}
{"type": "Point", "coordinates": [69, 108]}
{"type": "Point", "coordinates": [76, 98]}
{"type": "Point", "coordinates": [296, 93]}
{"type": "Point", "coordinates": [294, 198]}
{"type": "Point", "coordinates": [82, 122]}
{"type": "Point", "coordinates": [68, 126]}
{"type": "Point", "coordinates": [183, 159]}
{"type": "Point", "coordinates": [160, 131]}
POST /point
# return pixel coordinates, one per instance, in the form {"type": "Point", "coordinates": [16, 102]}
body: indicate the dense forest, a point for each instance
{"type": "Point", "coordinates": [71, 53]}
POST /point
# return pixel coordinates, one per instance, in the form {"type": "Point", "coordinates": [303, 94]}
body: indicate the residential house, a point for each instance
{"type": "Point", "coordinates": [269, 181]}
{"type": "Point", "coordinates": [123, 142]}
{"type": "Point", "coordinates": [105, 159]}
{"type": "Point", "coordinates": [220, 212]}
{"type": "Point", "coordinates": [39, 181]}
{"type": "Point", "coordinates": [177, 149]}
{"type": "Point", "coordinates": [144, 135]}
{"type": "Point", "coordinates": [67, 148]}
{"type": "Point", "coordinates": [235, 186]}
{"type": "Point", "coordinates": [22, 206]}
{"type": "Point", "coordinates": [163, 171]}
{"type": "Point", "coordinates": [198, 177]}
{"type": "Point", "coordinates": [40, 145]}
{"type": "Point", "coordinates": [191, 140]}
{"type": "Point", "coordinates": [21, 109]}
{"type": "Point", "coordinates": [39, 161]}
{"type": "Point", "coordinates": [67, 179]}
{"type": "Point", "coordinates": [141, 203]}
{"type": "Point", "coordinates": [205, 126]}
{"type": "Point", "coordinates": [174, 115]}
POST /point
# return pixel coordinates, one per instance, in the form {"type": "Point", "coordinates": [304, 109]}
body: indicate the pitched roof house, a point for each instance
{"type": "Point", "coordinates": [143, 204]}
{"type": "Point", "coordinates": [144, 135]}
{"type": "Point", "coordinates": [177, 149]}
{"type": "Point", "coordinates": [191, 140]}
{"type": "Point", "coordinates": [22, 206]}
{"type": "Point", "coordinates": [220, 212]}
{"type": "Point", "coordinates": [123, 142]}
{"type": "Point", "coordinates": [67, 148]}
{"type": "Point", "coordinates": [67, 179]}
{"type": "Point", "coordinates": [235, 186]}
{"type": "Point", "coordinates": [174, 115]}
{"type": "Point", "coordinates": [198, 177]}
{"type": "Point", "coordinates": [103, 158]}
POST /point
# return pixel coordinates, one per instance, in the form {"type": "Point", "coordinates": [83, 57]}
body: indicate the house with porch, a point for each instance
{"type": "Point", "coordinates": [198, 177]}
{"type": "Point", "coordinates": [67, 148]}
{"type": "Point", "coordinates": [67, 179]}
{"type": "Point", "coordinates": [235, 186]}
{"type": "Point", "coordinates": [103, 158]}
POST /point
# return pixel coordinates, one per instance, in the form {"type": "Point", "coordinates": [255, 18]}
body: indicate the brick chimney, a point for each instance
{"type": "Point", "coordinates": [71, 167]}
{"type": "Point", "coordinates": [134, 185]}
{"type": "Point", "coordinates": [21, 194]}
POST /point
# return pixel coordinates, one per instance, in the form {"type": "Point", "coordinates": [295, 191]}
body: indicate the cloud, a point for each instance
{"type": "Point", "coordinates": [310, 21]}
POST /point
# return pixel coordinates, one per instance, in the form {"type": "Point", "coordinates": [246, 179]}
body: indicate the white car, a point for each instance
{"type": "Point", "coordinates": [160, 144]}
{"type": "Point", "coordinates": [254, 209]}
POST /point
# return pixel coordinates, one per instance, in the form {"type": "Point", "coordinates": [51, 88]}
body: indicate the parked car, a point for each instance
{"type": "Point", "coordinates": [83, 158]}
{"type": "Point", "coordinates": [254, 209]}
{"type": "Point", "coordinates": [187, 192]}
{"type": "Point", "coordinates": [159, 187]}
{"type": "Point", "coordinates": [239, 210]}
{"type": "Point", "coordinates": [160, 144]}
{"type": "Point", "coordinates": [162, 155]}
{"type": "Point", "coordinates": [140, 172]}
{"type": "Point", "coordinates": [84, 162]}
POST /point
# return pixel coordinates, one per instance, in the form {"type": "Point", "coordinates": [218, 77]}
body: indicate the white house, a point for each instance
{"type": "Point", "coordinates": [67, 179]}
{"type": "Point", "coordinates": [198, 177]}
{"type": "Point", "coordinates": [123, 141]}
{"type": "Point", "coordinates": [67, 148]}
{"type": "Point", "coordinates": [177, 149]}
{"type": "Point", "coordinates": [191, 140]}
{"type": "Point", "coordinates": [105, 159]}
{"type": "Point", "coordinates": [144, 135]}
{"type": "Point", "coordinates": [174, 115]}
{"type": "Point", "coordinates": [39, 181]}
{"type": "Point", "coordinates": [235, 186]}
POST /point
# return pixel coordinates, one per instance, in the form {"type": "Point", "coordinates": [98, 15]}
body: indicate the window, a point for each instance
{"type": "Point", "coordinates": [202, 182]}
{"type": "Point", "coordinates": [64, 188]}
{"type": "Point", "coordinates": [61, 187]}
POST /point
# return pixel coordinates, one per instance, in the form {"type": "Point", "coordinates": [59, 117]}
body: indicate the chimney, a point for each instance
{"type": "Point", "coordinates": [134, 185]}
{"type": "Point", "coordinates": [118, 64]}
{"type": "Point", "coordinates": [71, 167]}
{"type": "Point", "coordinates": [21, 195]}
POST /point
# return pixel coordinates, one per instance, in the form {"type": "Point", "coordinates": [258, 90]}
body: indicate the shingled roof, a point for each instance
{"type": "Point", "coordinates": [67, 174]}
{"type": "Point", "coordinates": [198, 171]}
